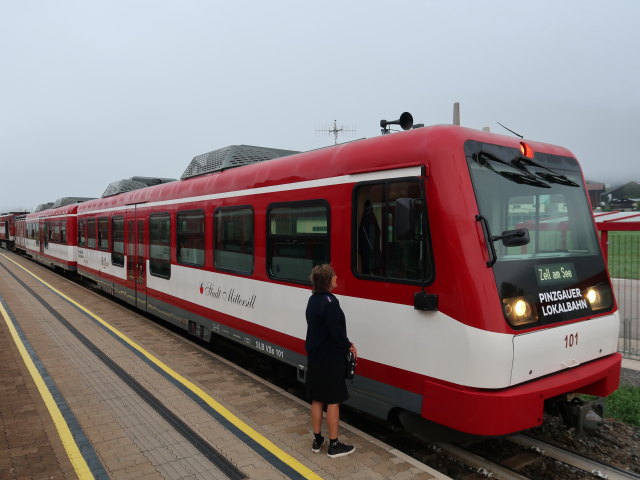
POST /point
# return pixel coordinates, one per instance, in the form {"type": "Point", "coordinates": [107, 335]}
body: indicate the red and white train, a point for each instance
{"type": "Point", "coordinates": [468, 266]}
{"type": "Point", "coordinates": [49, 235]}
{"type": "Point", "coordinates": [8, 229]}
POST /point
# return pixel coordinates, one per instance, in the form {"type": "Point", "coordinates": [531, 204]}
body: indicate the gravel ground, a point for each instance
{"type": "Point", "coordinates": [630, 377]}
{"type": "Point", "coordinates": [615, 443]}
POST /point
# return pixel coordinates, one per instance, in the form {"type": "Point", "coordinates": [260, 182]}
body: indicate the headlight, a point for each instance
{"type": "Point", "coordinates": [518, 311]}
{"type": "Point", "coordinates": [521, 308]}
{"type": "Point", "coordinates": [599, 297]}
{"type": "Point", "coordinates": [592, 296]}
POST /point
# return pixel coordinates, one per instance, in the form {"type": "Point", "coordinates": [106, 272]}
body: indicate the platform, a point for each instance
{"type": "Point", "coordinates": [91, 389]}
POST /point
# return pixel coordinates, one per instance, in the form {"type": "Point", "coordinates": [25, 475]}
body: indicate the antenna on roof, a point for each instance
{"type": "Point", "coordinates": [516, 134]}
{"type": "Point", "coordinates": [335, 130]}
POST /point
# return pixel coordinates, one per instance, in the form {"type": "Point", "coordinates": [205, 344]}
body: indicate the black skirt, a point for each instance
{"type": "Point", "coordinates": [326, 382]}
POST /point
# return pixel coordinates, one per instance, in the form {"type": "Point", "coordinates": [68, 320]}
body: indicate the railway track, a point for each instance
{"type": "Point", "coordinates": [530, 458]}
{"type": "Point", "coordinates": [597, 469]}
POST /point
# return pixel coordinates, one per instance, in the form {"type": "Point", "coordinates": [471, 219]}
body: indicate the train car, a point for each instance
{"type": "Point", "coordinates": [21, 234]}
{"type": "Point", "coordinates": [468, 267]}
{"type": "Point", "coordinates": [8, 229]}
{"type": "Point", "coordinates": [101, 243]}
{"type": "Point", "coordinates": [50, 234]}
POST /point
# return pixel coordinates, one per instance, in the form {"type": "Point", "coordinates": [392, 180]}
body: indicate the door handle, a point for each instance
{"type": "Point", "coordinates": [572, 363]}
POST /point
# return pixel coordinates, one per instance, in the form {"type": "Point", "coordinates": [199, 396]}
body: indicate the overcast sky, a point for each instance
{"type": "Point", "coordinates": [96, 91]}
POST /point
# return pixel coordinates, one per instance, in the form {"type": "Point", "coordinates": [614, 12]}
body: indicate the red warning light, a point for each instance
{"type": "Point", "coordinates": [526, 150]}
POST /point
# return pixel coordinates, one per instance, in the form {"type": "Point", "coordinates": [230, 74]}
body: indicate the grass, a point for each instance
{"type": "Point", "coordinates": [624, 255]}
{"type": "Point", "coordinates": [624, 405]}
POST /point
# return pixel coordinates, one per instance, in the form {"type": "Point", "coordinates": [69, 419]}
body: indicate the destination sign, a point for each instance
{"type": "Point", "coordinates": [555, 273]}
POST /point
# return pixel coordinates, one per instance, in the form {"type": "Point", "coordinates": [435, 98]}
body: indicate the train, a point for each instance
{"type": "Point", "coordinates": [8, 229]}
{"type": "Point", "coordinates": [468, 264]}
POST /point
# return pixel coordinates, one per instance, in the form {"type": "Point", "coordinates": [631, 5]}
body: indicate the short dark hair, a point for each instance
{"type": "Point", "coordinates": [321, 276]}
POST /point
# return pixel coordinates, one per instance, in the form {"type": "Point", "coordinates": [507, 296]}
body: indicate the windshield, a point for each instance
{"type": "Point", "coordinates": [543, 199]}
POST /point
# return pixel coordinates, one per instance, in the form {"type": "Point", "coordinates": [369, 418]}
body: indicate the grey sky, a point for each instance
{"type": "Point", "coordinates": [92, 92]}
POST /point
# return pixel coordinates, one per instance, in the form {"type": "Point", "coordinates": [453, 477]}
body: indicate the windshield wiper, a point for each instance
{"type": "Point", "coordinates": [523, 178]}
{"type": "Point", "coordinates": [485, 159]}
{"type": "Point", "coordinates": [551, 177]}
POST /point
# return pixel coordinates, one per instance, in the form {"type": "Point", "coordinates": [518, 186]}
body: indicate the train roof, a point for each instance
{"type": "Point", "coordinates": [43, 206]}
{"type": "Point", "coordinates": [12, 214]}
{"type": "Point", "coordinates": [231, 157]}
{"type": "Point", "coordinates": [62, 211]}
{"type": "Point", "coordinates": [133, 183]}
{"type": "Point", "coordinates": [367, 155]}
{"type": "Point", "coordinates": [64, 201]}
{"type": "Point", "coordinates": [61, 207]}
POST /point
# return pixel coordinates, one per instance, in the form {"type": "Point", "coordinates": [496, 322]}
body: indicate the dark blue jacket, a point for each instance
{"type": "Point", "coordinates": [326, 329]}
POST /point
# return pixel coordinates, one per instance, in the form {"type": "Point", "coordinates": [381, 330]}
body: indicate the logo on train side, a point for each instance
{"type": "Point", "coordinates": [221, 294]}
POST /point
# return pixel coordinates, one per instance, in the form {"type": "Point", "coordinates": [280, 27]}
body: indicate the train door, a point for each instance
{"type": "Point", "coordinates": [44, 245]}
{"type": "Point", "coordinates": [136, 258]}
{"type": "Point", "coordinates": [4, 234]}
{"type": "Point", "coordinates": [42, 235]}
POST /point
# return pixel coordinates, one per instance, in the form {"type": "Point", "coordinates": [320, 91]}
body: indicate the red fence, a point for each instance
{"type": "Point", "coordinates": [620, 240]}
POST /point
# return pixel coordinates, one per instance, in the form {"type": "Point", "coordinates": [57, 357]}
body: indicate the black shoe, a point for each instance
{"type": "Point", "coordinates": [339, 449]}
{"type": "Point", "coordinates": [317, 444]}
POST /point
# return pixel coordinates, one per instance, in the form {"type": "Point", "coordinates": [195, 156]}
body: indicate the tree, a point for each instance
{"type": "Point", "coordinates": [631, 190]}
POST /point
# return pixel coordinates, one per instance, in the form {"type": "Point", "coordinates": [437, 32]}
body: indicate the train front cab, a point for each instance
{"type": "Point", "coordinates": [532, 280]}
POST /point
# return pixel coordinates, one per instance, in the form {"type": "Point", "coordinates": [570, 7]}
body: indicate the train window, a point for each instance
{"type": "Point", "coordinates": [190, 236]}
{"type": "Point", "coordinates": [103, 233]}
{"type": "Point", "coordinates": [234, 239]}
{"type": "Point", "coordinates": [63, 232]}
{"type": "Point", "coordinates": [554, 222]}
{"type": "Point", "coordinates": [48, 231]}
{"type": "Point", "coordinates": [379, 251]}
{"type": "Point", "coordinates": [91, 233]}
{"type": "Point", "coordinates": [82, 233]}
{"type": "Point", "coordinates": [45, 227]}
{"type": "Point", "coordinates": [160, 245]}
{"type": "Point", "coordinates": [117, 240]}
{"type": "Point", "coordinates": [298, 239]}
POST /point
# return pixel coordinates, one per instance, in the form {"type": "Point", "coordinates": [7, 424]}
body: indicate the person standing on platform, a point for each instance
{"type": "Point", "coordinates": [327, 346]}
